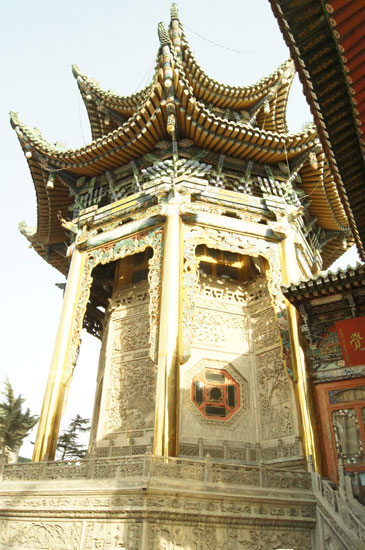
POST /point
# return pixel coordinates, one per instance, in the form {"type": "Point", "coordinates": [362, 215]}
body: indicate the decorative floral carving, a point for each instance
{"type": "Point", "coordinates": [118, 467]}
{"type": "Point", "coordinates": [240, 474]}
{"type": "Point", "coordinates": [112, 252]}
{"type": "Point", "coordinates": [266, 332]}
{"type": "Point", "coordinates": [131, 333]}
{"type": "Point", "coordinates": [224, 240]}
{"type": "Point", "coordinates": [178, 469]}
{"type": "Point", "coordinates": [127, 373]}
{"type": "Point", "coordinates": [275, 538]}
{"type": "Point", "coordinates": [40, 535]}
{"type": "Point", "coordinates": [283, 324]}
{"type": "Point", "coordinates": [179, 537]}
{"type": "Point", "coordinates": [286, 480]}
{"type": "Point", "coordinates": [276, 416]}
{"type": "Point", "coordinates": [131, 402]}
{"type": "Point", "coordinates": [218, 328]}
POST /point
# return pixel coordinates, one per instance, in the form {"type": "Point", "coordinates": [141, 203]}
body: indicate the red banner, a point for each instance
{"type": "Point", "coordinates": [351, 335]}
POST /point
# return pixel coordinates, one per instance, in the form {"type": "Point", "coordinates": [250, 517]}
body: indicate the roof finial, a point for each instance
{"type": "Point", "coordinates": [163, 34]}
{"type": "Point", "coordinates": [174, 12]}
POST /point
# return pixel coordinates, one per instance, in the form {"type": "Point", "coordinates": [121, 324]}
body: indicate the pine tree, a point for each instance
{"type": "Point", "coordinates": [15, 424]}
{"type": "Point", "coordinates": [68, 445]}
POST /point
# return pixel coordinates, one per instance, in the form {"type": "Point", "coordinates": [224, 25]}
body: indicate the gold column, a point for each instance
{"type": "Point", "coordinates": [291, 273]}
{"type": "Point", "coordinates": [169, 347]}
{"type": "Point", "coordinates": [49, 422]}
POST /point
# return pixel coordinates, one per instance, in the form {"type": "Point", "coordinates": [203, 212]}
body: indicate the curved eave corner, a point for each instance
{"type": "Point", "coordinates": [106, 109]}
{"type": "Point", "coordinates": [272, 90]}
{"type": "Point", "coordinates": [49, 231]}
{"type": "Point", "coordinates": [343, 183]}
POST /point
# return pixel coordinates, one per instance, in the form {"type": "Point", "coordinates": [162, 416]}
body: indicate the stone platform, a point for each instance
{"type": "Point", "coordinates": [152, 503]}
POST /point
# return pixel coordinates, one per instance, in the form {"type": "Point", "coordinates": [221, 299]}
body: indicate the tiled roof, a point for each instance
{"type": "Point", "coordinates": [181, 103]}
{"type": "Point", "coordinates": [327, 43]}
{"type": "Point", "coordinates": [327, 284]}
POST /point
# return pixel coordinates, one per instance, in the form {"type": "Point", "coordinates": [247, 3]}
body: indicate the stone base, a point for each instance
{"type": "Point", "coordinates": [150, 503]}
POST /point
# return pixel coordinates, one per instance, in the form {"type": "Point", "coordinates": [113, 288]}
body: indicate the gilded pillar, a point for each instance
{"type": "Point", "coordinates": [49, 422]}
{"type": "Point", "coordinates": [291, 273]}
{"type": "Point", "coordinates": [169, 348]}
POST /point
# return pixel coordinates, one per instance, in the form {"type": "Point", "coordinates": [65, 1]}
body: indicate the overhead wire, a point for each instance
{"type": "Point", "coordinates": [240, 52]}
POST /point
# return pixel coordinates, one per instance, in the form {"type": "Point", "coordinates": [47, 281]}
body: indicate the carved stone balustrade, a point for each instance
{"type": "Point", "coordinates": [148, 467]}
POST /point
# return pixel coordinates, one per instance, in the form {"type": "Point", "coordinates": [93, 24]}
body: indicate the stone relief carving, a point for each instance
{"type": "Point", "coordinates": [132, 396]}
{"type": "Point", "coordinates": [113, 536]}
{"type": "Point", "coordinates": [131, 333]}
{"type": "Point", "coordinates": [190, 281]}
{"type": "Point", "coordinates": [275, 404]}
{"type": "Point", "coordinates": [117, 467]}
{"type": "Point", "coordinates": [130, 375]}
{"type": "Point", "coordinates": [117, 504]}
{"type": "Point", "coordinates": [257, 295]}
{"type": "Point", "coordinates": [210, 291]}
{"type": "Point", "coordinates": [166, 537]}
{"type": "Point", "coordinates": [42, 535]}
{"type": "Point", "coordinates": [266, 332]}
{"type": "Point", "coordinates": [223, 240]}
{"type": "Point", "coordinates": [273, 538]}
{"type": "Point", "coordinates": [112, 252]}
{"type": "Point", "coordinates": [217, 328]}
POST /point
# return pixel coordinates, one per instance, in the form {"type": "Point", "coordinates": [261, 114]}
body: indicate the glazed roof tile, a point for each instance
{"type": "Point", "coordinates": [242, 98]}
{"type": "Point", "coordinates": [106, 109]}
{"type": "Point", "coordinates": [327, 43]}
{"type": "Point", "coordinates": [326, 284]}
{"type": "Point", "coordinates": [145, 126]}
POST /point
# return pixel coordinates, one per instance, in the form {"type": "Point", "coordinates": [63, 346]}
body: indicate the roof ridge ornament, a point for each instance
{"type": "Point", "coordinates": [174, 12]}
{"type": "Point", "coordinates": [175, 30]}
{"type": "Point", "coordinates": [168, 80]}
{"type": "Point", "coordinates": [163, 34]}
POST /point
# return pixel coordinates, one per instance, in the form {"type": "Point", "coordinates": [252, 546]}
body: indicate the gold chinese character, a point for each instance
{"type": "Point", "coordinates": [356, 341]}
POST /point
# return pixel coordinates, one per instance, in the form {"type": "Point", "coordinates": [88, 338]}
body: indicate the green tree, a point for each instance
{"type": "Point", "coordinates": [15, 423]}
{"type": "Point", "coordinates": [68, 445]}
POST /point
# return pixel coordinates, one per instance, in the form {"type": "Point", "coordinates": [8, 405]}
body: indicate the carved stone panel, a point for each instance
{"type": "Point", "coordinates": [219, 329]}
{"type": "Point", "coordinates": [275, 396]}
{"type": "Point", "coordinates": [266, 334]}
{"type": "Point", "coordinates": [129, 375]}
{"type": "Point", "coordinates": [220, 320]}
{"type": "Point", "coordinates": [131, 334]}
{"type": "Point", "coordinates": [109, 253]}
{"type": "Point", "coordinates": [132, 396]}
{"type": "Point", "coordinates": [113, 536]}
{"type": "Point", "coordinates": [224, 240]}
{"type": "Point", "coordinates": [179, 537]}
{"type": "Point", "coordinates": [40, 535]}
{"type": "Point", "coordinates": [237, 320]}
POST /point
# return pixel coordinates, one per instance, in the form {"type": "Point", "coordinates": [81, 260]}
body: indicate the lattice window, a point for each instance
{"type": "Point", "coordinates": [215, 393]}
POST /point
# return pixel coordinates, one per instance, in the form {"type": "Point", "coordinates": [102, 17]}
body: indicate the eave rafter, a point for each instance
{"type": "Point", "coordinates": [173, 109]}
{"type": "Point", "coordinates": [327, 43]}
{"type": "Point", "coordinates": [237, 139]}
{"type": "Point", "coordinates": [132, 139]}
{"type": "Point", "coordinates": [270, 93]}
{"type": "Point", "coordinates": [106, 109]}
{"type": "Point", "coordinates": [326, 284]}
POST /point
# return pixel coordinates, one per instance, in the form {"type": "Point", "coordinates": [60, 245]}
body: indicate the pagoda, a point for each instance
{"type": "Point", "coordinates": [176, 228]}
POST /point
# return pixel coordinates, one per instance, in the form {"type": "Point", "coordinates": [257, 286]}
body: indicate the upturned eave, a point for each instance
{"type": "Point", "coordinates": [327, 44]}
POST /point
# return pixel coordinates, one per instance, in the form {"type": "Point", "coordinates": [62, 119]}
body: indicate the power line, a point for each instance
{"type": "Point", "coordinates": [226, 47]}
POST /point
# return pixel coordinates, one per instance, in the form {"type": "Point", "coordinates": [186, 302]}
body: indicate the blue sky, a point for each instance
{"type": "Point", "coordinates": [116, 43]}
